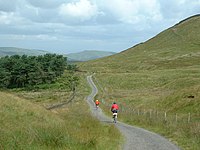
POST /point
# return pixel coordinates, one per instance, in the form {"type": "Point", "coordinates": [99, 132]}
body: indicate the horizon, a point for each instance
{"type": "Point", "coordinates": [56, 52]}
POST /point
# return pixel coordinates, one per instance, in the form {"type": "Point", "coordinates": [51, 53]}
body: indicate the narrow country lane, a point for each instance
{"type": "Point", "coordinates": [135, 138]}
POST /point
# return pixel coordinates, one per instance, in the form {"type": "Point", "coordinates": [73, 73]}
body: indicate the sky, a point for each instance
{"type": "Point", "coordinates": [70, 26]}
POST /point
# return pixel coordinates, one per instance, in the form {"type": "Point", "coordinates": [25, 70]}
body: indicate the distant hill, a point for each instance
{"type": "Point", "coordinates": [8, 51]}
{"type": "Point", "coordinates": [88, 55]}
{"type": "Point", "coordinates": [81, 56]}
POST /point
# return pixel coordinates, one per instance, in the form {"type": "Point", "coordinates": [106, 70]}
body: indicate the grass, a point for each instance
{"type": "Point", "coordinates": [26, 124]}
{"type": "Point", "coordinates": [160, 75]}
{"type": "Point", "coordinates": [168, 96]}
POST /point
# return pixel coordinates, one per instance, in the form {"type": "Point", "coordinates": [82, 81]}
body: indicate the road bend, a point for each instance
{"type": "Point", "coordinates": [135, 138]}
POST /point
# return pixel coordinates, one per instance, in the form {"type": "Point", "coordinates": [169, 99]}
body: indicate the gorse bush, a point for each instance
{"type": "Point", "coordinates": [22, 71]}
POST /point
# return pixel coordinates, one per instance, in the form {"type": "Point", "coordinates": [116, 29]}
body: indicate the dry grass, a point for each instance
{"type": "Point", "coordinates": [26, 124]}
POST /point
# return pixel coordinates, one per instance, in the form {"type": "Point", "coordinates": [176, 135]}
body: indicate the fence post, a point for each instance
{"type": "Point", "coordinates": [189, 117]}
{"type": "Point", "coordinates": [150, 113]}
{"type": "Point", "coordinates": [165, 116]}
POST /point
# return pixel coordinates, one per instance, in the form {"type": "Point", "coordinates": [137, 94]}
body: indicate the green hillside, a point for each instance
{"type": "Point", "coordinates": [160, 76]}
{"type": "Point", "coordinates": [9, 51]}
{"type": "Point", "coordinates": [88, 55]}
{"type": "Point", "coordinates": [176, 47]}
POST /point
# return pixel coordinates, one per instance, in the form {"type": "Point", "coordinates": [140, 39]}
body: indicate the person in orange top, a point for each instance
{"type": "Point", "coordinates": [97, 103]}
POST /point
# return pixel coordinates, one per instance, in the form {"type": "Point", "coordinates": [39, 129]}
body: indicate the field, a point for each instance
{"type": "Point", "coordinates": [145, 97]}
{"type": "Point", "coordinates": [25, 123]}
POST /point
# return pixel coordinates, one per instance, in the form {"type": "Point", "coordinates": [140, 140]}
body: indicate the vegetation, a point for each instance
{"type": "Point", "coordinates": [22, 71]}
{"type": "Point", "coordinates": [26, 124]}
{"type": "Point", "coordinates": [32, 84]}
{"type": "Point", "coordinates": [161, 74]}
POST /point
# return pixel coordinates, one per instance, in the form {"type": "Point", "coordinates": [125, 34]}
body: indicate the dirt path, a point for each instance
{"type": "Point", "coordinates": [135, 138]}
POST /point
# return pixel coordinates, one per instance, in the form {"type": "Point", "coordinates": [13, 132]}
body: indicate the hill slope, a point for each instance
{"type": "Point", "coordinates": [176, 47]}
{"type": "Point", "coordinates": [169, 63]}
{"type": "Point", "coordinates": [26, 124]}
{"type": "Point", "coordinates": [88, 55]}
{"type": "Point", "coordinates": [8, 51]}
{"type": "Point", "coordinates": [155, 78]}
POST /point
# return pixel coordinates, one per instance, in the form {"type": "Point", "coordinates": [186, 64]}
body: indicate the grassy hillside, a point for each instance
{"type": "Point", "coordinates": [88, 55]}
{"type": "Point", "coordinates": [168, 62]}
{"type": "Point", "coordinates": [176, 47]}
{"type": "Point", "coordinates": [8, 51]}
{"type": "Point", "coordinates": [162, 76]}
{"type": "Point", "coordinates": [26, 124]}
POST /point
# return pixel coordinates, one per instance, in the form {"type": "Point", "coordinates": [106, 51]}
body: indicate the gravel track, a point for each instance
{"type": "Point", "coordinates": [135, 138]}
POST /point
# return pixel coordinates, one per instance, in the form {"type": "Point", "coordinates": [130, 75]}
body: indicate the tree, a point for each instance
{"type": "Point", "coordinates": [22, 71]}
{"type": "Point", "coordinates": [4, 78]}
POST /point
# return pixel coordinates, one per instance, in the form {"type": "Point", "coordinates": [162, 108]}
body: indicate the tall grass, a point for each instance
{"type": "Point", "coordinates": [160, 90]}
{"type": "Point", "coordinates": [26, 124]}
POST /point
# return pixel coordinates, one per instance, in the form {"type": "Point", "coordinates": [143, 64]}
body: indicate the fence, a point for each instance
{"type": "Point", "coordinates": [152, 114]}
{"type": "Point", "coordinates": [157, 115]}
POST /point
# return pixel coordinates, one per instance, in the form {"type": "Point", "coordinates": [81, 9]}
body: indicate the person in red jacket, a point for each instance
{"type": "Point", "coordinates": [114, 107]}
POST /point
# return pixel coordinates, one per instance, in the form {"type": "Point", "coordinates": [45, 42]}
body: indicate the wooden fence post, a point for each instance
{"type": "Point", "coordinates": [165, 116]}
{"type": "Point", "coordinates": [150, 113]}
{"type": "Point", "coordinates": [189, 117]}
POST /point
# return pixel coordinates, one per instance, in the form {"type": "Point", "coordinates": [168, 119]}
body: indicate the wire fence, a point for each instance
{"type": "Point", "coordinates": [152, 114]}
{"type": "Point", "coordinates": [170, 123]}
{"type": "Point", "coordinates": [157, 115]}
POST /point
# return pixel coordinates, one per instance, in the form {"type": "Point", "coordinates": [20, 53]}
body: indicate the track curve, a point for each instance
{"type": "Point", "coordinates": [135, 138]}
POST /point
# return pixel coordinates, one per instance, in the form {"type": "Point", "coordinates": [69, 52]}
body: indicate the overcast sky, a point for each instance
{"type": "Point", "coordinates": [68, 26]}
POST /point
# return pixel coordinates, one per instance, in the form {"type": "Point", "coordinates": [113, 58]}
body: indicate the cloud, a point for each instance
{"type": "Point", "coordinates": [132, 11]}
{"type": "Point", "coordinates": [38, 15]}
{"type": "Point", "coordinates": [82, 10]}
{"type": "Point", "coordinates": [176, 9]}
{"type": "Point", "coordinates": [6, 18]}
{"type": "Point", "coordinates": [46, 4]}
{"type": "Point", "coordinates": [8, 6]}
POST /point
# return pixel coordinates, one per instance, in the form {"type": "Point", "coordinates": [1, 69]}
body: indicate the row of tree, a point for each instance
{"type": "Point", "coordinates": [22, 71]}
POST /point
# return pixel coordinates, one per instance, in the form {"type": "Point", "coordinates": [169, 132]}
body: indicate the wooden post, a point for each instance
{"type": "Point", "coordinates": [150, 113]}
{"type": "Point", "coordinates": [165, 116]}
{"type": "Point", "coordinates": [189, 117]}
